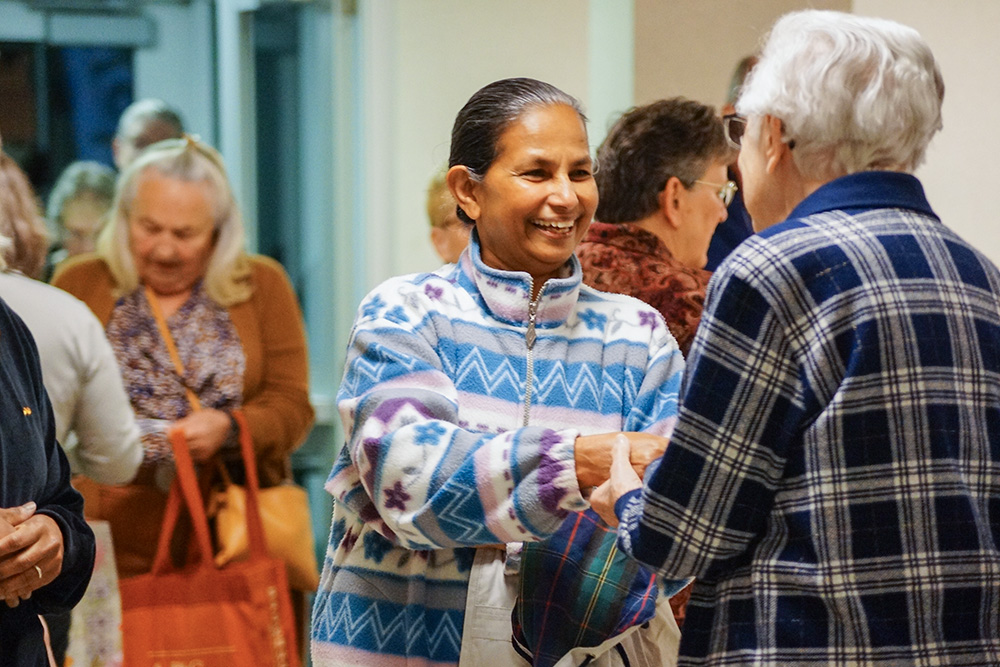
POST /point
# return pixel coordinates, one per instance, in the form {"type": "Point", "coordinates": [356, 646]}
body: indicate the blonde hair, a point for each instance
{"type": "Point", "coordinates": [227, 277]}
{"type": "Point", "coordinates": [79, 179]}
{"type": "Point", "coordinates": [21, 221]}
{"type": "Point", "coordinates": [440, 201]}
{"type": "Point", "coordinates": [5, 243]}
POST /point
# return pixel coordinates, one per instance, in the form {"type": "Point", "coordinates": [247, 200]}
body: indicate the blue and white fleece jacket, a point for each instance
{"type": "Point", "coordinates": [437, 460]}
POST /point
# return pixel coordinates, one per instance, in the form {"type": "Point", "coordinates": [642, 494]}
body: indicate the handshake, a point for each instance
{"type": "Point", "coordinates": [612, 464]}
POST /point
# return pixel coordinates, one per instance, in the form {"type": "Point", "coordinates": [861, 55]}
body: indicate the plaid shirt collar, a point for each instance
{"type": "Point", "coordinates": [864, 191]}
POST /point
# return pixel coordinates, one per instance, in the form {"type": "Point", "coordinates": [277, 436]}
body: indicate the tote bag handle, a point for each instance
{"type": "Point", "coordinates": [186, 475]}
{"type": "Point", "coordinates": [185, 490]}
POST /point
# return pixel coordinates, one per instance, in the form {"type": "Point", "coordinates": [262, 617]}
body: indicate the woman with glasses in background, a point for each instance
{"type": "Point", "coordinates": [663, 184]}
{"type": "Point", "coordinates": [77, 205]}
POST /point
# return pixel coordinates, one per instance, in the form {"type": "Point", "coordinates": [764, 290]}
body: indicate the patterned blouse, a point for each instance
{"type": "Point", "coordinates": [627, 260]}
{"type": "Point", "coordinates": [210, 350]}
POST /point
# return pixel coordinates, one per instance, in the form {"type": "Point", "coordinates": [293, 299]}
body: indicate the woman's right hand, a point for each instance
{"type": "Point", "coordinates": [593, 455]}
{"type": "Point", "coordinates": [205, 431]}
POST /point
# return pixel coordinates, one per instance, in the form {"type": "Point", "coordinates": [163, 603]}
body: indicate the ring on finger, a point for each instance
{"type": "Point", "coordinates": [39, 571]}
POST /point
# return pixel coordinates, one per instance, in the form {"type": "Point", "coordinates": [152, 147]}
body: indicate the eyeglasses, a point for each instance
{"type": "Point", "coordinates": [734, 125]}
{"type": "Point", "coordinates": [726, 191]}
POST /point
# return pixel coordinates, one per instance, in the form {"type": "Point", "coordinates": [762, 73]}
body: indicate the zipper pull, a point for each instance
{"type": "Point", "coordinates": [530, 336]}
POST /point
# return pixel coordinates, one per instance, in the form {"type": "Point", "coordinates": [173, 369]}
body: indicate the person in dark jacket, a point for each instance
{"type": "Point", "coordinates": [46, 547]}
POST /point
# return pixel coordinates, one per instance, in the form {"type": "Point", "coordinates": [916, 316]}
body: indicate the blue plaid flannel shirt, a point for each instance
{"type": "Point", "coordinates": [834, 478]}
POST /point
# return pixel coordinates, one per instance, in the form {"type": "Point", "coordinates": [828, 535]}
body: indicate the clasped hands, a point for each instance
{"type": "Point", "coordinates": [205, 431]}
{"type": "Point", "coordinates": [31, 552]}
{"type": "Point", "coordinates": [613, 464]}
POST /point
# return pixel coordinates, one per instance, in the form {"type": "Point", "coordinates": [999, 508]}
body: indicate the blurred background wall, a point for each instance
{"type": "Point", "coordinates": [445, 49]}
{"type": "Point", "coordinates": [963, 162]}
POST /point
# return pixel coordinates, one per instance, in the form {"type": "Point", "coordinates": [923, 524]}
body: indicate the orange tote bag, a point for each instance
{"type": "Point", "coordinates": [202, 614]}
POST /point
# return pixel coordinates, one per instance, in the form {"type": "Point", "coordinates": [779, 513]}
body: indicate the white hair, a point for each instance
{"type": "Point", "coordinates": [141, 112]}
{"type": "Point", "coordinates": [227, 276]}
{"type": "Point", "coordinates": [854, 93]}
{"type": "Point", "coordinates": [81, 179]}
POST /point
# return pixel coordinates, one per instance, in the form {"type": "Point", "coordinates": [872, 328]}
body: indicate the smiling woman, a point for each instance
{"type": "Point", "coordinates": [480, 403]}
{"type": "Point", "coordinates": [536, 200]}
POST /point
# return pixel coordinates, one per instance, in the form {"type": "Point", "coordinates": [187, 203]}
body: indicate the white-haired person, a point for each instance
{"type": "Point", "coordinates": [144, 123]}
{"type": "Point", "coordinates": [77, 205]}
{"type": "Point", "coordinates": [173, 247]}
{"type": "Point", "coordinates": [833, 480]}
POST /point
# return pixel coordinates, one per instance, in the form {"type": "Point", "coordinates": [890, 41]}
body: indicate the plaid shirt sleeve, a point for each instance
{"type": "Point", "coordinates": [743, 400]}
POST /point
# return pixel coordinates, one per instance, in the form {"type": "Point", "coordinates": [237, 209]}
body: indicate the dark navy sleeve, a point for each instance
{"type": "Point", "coordinates": [33, 466]}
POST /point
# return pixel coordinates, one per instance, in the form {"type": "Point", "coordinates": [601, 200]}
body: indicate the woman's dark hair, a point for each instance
{"type": "Point", "coordinates": [648, 145]}
{"type": "Point", "coordinates": [486, 115]}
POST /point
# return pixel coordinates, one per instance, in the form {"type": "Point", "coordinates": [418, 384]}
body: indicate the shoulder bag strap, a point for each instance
{"type": "Point", "coordinates": [185, 486]}
{"type": "Point", "coordinates": [255, 525]}
{"type": "Point", "coordinates": [168, 339]}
